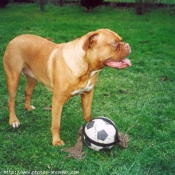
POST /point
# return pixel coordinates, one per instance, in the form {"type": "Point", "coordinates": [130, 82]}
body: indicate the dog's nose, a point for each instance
{"type": "Point", "coordinates": [127, 47]}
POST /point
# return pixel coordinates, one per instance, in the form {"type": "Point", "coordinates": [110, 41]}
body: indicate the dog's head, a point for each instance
{"type": "Point", "coordinates": [106, 48]}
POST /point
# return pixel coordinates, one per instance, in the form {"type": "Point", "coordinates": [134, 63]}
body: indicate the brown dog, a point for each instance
{"type": "Point", "coordinates": [65, 69]}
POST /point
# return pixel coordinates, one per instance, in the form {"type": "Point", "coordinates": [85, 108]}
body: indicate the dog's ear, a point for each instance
{"type": "Point", "coordinates": [91, 38]}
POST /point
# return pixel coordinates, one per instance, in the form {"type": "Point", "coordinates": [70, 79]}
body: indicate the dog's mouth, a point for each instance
{"type": "Point", "coordinates": [118, 64]}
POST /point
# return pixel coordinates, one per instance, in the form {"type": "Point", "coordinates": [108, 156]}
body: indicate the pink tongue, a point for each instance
{"type": "Point", "coordinates": [118, 64]}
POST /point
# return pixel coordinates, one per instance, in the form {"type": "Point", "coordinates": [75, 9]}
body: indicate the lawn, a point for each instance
{"type": "Point", "coordinates": [141, 97]}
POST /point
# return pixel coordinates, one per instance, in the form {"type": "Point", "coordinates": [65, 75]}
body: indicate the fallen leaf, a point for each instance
{"type": "Point", "coordinates": [47, 108]}
{"type": "Point", "coordinates": [164, 78]}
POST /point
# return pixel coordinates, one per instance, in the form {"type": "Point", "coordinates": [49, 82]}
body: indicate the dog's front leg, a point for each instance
{"type": "Point", "coordinates": [86, 99]}
{"type": "Point", "coordinates": [57, 105]}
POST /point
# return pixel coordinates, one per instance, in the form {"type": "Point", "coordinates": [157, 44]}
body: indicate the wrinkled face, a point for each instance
{"type": "Point", "coordinates": [110, 48]}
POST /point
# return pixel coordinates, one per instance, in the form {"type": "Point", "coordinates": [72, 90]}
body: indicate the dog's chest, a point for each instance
{"type": "Point", "coordinates": [88, 86]}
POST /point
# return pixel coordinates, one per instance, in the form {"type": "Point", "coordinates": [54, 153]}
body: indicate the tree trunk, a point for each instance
{"type": "Point", "coordinates": [41, 2]}
{"type": "Point", "coordinates": [61, 3]}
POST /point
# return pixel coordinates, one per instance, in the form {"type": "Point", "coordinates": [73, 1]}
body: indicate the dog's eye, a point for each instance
{"type": "Point", "coordinates": [115, 44]}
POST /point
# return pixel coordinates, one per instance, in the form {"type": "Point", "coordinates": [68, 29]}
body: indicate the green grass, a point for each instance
{"type": "Point", "coordinates": [136, 96]}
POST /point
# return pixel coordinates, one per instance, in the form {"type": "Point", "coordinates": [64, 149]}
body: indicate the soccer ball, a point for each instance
{"type": "Point", "coordinates": [100, 134]}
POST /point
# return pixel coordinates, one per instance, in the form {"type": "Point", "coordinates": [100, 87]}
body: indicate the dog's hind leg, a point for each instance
{"type": "Point", "coordinates": [31, 82]}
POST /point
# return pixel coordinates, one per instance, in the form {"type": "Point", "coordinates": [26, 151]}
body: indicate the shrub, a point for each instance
{"type": "Point", "coordinates": [3, 3]}
{"type": "Point", "coordinates": [142, 5]}
{"type": "Point", "coordinates": [90, 4]}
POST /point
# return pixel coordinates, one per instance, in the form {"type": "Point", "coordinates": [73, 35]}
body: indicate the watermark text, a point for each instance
{"type": "Point", "coordinates": [36, 172]}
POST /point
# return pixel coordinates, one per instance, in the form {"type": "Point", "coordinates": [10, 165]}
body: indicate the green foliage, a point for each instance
{"type": "Point", "coordinates": [141, 97]}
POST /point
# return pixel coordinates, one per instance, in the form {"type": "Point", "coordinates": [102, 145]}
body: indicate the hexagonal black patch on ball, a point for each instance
{"type": "Point", "coordinates": [90, 124]}
{"type": "Point", "coordinates": [102, 135]}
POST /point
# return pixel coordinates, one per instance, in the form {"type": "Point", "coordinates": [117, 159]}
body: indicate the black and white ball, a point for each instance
{"type": "Point", "coordinates": [100, 134]}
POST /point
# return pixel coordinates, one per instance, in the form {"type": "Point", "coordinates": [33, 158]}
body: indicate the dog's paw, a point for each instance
{"type": "Point", "coordinates": [58, 143]}
{"type": "Point", "coordinates": [30, 108]}
{"type": "Point", "coordinates": [15, 125]}
{"type": "Point", "coordinates": [87, 119]}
